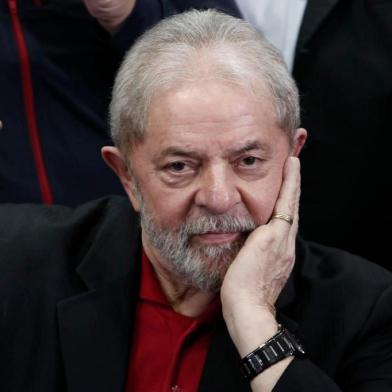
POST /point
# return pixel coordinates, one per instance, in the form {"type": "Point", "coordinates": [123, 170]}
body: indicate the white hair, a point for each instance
{"type": "Point", "coordinates": [193, 46]}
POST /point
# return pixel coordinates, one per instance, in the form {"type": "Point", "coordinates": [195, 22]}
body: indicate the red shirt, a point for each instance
{"type": "Point", "coordinates": [168, 349]}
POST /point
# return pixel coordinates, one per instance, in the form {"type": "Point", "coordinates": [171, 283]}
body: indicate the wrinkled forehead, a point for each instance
{"type": "Point", "coordinates": [214, 118]}
{"type": "Point", "coordinates": [209, 102]}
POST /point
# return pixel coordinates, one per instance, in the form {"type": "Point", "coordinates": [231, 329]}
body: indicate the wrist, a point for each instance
{"type": "Point", "coordinates": [277, 349]}
{"type": "Point", "coordinates": [248, 329]}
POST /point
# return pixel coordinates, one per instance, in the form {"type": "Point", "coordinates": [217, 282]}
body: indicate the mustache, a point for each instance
{"type": "Point", "coordinates": [224, 223]}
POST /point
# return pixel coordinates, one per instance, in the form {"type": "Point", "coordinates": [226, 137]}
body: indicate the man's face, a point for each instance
{"type": "Point", "coordinates": [208, 171]}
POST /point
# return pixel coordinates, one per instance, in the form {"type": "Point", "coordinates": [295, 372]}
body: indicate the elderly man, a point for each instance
{"type": "Point", "coordinates": [205, 120]}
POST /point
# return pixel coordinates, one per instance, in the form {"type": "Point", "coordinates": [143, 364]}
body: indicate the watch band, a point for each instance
{"type": "Point", "coordinates": [282, 345]}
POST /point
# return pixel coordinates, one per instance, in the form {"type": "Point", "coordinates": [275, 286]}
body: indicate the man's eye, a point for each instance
{"type": "Point", "coordinates": [177, 166]}
{"type": "Point", "coordinates": [249, 161]}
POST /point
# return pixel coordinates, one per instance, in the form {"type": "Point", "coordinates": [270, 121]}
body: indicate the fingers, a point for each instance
{"type": "Point", "coordinates": [265, 262]}
{"type": "Point", "coordinates": [287, 203]}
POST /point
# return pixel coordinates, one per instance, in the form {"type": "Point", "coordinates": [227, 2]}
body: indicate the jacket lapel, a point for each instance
{"type": "Point", "coordinates": [221, 370]}
{"type": "Point", "coordinates": [95, 327]}
{"type": "Point", "coordinates": [95, 330]}
{"type": "Point", "coordinates": [315, 13]}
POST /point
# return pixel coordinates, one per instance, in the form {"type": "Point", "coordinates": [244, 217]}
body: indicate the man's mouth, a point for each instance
{"type": "Point", "coordinates": [216, 237]}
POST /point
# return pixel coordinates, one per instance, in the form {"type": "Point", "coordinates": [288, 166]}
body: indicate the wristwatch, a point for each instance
{"type": "Point", "coordinates": [282, 345]}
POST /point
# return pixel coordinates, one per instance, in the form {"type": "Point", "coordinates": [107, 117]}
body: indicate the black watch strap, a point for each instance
{"type": "Point", "coordinates": [280, 346]}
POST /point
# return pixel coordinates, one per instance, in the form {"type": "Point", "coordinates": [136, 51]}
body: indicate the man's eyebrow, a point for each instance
{"type": "Point", "coordinates": [185, 152]}
{"type": "Point", "coordinates": [179, 151]}
{"type": "Point", "coordinates": [251, 146]}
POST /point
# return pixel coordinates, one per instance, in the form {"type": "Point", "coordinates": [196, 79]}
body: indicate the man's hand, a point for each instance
{"type": "Point", "coordinates": [257, 275]}
{"type": "Point", "coordinates": [110, 13]}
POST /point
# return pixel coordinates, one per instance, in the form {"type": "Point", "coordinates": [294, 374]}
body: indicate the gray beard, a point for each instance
{"type": "Point", "coordinates": [196, 265]}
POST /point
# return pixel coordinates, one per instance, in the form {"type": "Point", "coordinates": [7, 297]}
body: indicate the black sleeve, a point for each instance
{"type": "Point", "coordinates": [366, 367]}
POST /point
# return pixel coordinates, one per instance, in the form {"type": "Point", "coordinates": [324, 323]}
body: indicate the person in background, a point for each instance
{"type": "Point", "coordinates": [205, 121]}
{"type": "Point", "coordinates": [56, 71]}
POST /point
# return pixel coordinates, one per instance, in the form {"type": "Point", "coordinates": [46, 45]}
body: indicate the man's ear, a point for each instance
{"type": "Point", "coordinates": [114, 159]}
{"type": "Point", "coordinates": [299, 140]}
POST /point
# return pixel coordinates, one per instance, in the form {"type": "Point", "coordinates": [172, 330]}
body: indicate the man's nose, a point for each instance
{"type": "Point", "coordinates": [217, 191]}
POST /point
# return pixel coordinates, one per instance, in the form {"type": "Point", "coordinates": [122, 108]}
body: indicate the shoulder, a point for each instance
{"type": "Point", "coordinates": [38, 235]}
{"type": "Point", "coordinates": [332, 266]}
{"type": "Point", "coordinates": [19, 218]}
{"type": "Point", "coordinates": [346, 286]}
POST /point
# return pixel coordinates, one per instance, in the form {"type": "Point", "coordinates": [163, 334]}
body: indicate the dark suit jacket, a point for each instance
{"type": "Point", "coordinates": [68, 289]}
